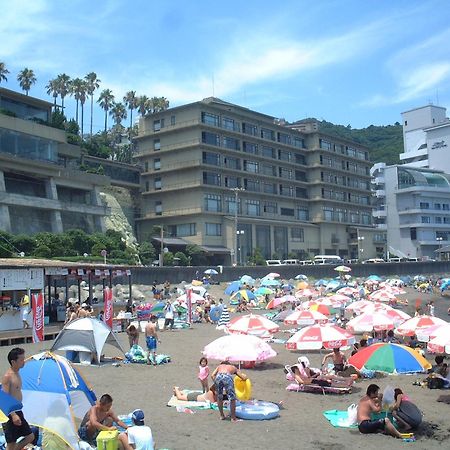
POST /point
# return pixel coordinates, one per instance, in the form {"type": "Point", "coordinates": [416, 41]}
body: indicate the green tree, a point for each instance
{"type": "Point", "coordinates": [99, 146]}
{"type": "Point", "coordinates": [143, 105]}
{"type": "Point", "coordinates": [182, 258]}
{"type": "Point", "coordinates": [168, 259]}
{"type": "Point", "coordinates": [79, 241]}
{"type": "Point", "coordinates": [50, 245]}
{"type": "Point", "coordinates": [52, 89]}
{"type": "Point", "coordinates": [24, 243]}
{"type": "Point", "coordinates": [76, 89]}
{"type": "Point", "coordinates": [196, 254]}
{"type": "Point", "coordinates": [130, 100]}
{"type": "Point", "coordinates": [58, 120]}
{"type": "Point", "coordinates": [26, 79]}
{"type": "Point", "coordinates": [3, 72]}
{"type": "Point", "coordinates": [106, 101]}
{"type": "Point", "coordinates": [146, 253]}
{"type": "Point", "coordinates": [118, 113]}
{"type": "Point", "coordinates": [257, 258]}
{"type": "Point", "coordinates": [63, 82]}
{"type": "Point", "coordinates": [93, 83]}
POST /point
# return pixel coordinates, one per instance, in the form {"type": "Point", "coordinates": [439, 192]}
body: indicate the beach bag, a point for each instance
{"type": "Point", "coordinates": [435, 383]}
{"type": "Point", "coordinates": [410, 413]}
{"type": "Point", "coordinates": [388, 396]}
{"type": "Point", "coordinates": [352, 414]}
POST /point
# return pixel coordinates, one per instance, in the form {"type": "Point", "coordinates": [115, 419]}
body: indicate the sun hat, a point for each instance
{"type": "Point", "coordinates": [304, 360]}
{"type": "Point", "coordinates": [138, 416]}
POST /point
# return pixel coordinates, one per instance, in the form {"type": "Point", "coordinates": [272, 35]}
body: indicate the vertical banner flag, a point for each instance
{"type": "Point", "coordinates": [108, 307]}
{"type": "Point", "coordinates": [38, 317]}
{"type": "Point", "coordinates": [189, 305]}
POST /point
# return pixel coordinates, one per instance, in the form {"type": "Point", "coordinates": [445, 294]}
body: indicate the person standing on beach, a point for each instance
{"type": "Point", "coordinates": [223, 380]}
{"type": "Point", "coordinates": [203, 373]}
{"type": "Point", "coordinates": [151, 339]}
{"type": "Point", "coordinates": [169, 315]}
{"type": "Point", "coordinates": [16, 426]}
{"type": "Point", "coordinates": [25, 310]}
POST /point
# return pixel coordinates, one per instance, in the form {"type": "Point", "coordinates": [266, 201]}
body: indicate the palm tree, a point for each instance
{"type": "Point", "coordinates": [143, 104]}
{"type": "Point", "coordinates": [93, 83]}
{"type": "Point", "coordinates": [3, 72]}
{"type": "Point", "coordinates": [82, 97]}
{"type": "Point", "coordinates": [130, 101]}
{"type": "Point", "coordinates": [76, 87]}
{"type": "Point", "coordinates": [52, 89]}
{"type": "Point", "coordinates": [63, 82]}
{"type": "Point", "coordinates": [118, 112]}
{"type": "Point", "coordinates": [26, 79]}
{"type": "Point", "coordinates": [106, 101]}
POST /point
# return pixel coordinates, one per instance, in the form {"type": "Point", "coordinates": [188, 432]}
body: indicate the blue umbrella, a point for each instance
{"type": "Point", "coordinates": [211, 272]}
{"type": "Point", "coordinates": [321, 282]}
{"type": "Point", "coordinates": [8, 404]}
{"type": "Point", "coordinates": [374, 277]}
{"type": "Point", "coordinates": [233, 287]}
{"type": "Point", "coordinates": [301, 277]}
{"type": "Point", "coordinates": [247, 279]}
{"type": "Point", "coordinates": [269, 282]}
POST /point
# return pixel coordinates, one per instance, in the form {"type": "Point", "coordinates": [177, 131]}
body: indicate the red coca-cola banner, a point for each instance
{"type": "Point", "coordinates": [108, 307]}
{"type": "Point", "coordinates": [38, 317]}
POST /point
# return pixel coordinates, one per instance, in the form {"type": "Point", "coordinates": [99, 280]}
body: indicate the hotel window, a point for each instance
{"type": "Point", "coordinates": [211, 178]}
{"type": "Point", "coordinates": [232, 182]}
{"type": "Point", "coordinates": [326, 145]}
{"type": "Point", "coordinates": [446, 219]}
{"type": "Point", "coordinates": [300, 159]}
{"type": "Point", "coordinates": [213, 203]}
{"type": "Point", "coordinates": [287, 212]}
{"type": "Point", "coordinates": [213, 229]}
{"type": "Point", "coordinates": [267, 152]}
{"type": "Point", "coordinates": [267, 134]}
{"type": "Point", "coordinates": [210, 138]}
{"type": "Point", "coordinates": [269, 188]}
{"type": "Point", "coordinates": [351, 152]}
{"type": "Point", "coordinates": [157, 184]}
{"type": "Point", "coordinates": [147, 186]}
{"type": "Point", "coordinates": [250, 147]}
{"type": "Point", "coordinates": [270, 207]}
{"type": "Point", "coordinates": [354, 217]}
{"type": "Point", "coordinates": [211, 158]}
{"type": "Point", "coordinates": [158, 207]}
{"type": "Point", "coordinates": [229, 124]}
{"type": "Point", "coordinates": [253, 208]}
{"type": "Point", "coordinates": [300, 176]}
{"type": "Point", "coordinates": [366, 219]}
{"type": "Point", "coordinates": [297, 234]}
{"type": "Point", "coordinates": [438, 219]}
{"type": "Point", "coordinates": [156, 144]}
{"type": "Point", "coordinates": [285, 173]}
{"type": "Point", "coordinates": [424, 205]}
{"type": "Point", "coordinates": [302, 214]}
{"type": "Point", "coordinates": [284, 138]}
{"type": "Point", "coordinates": [437, 206]}
{"type": "Point", "coordinates": [286, 190]}
{"type": "Point", "coordinates": [249, 128]}
{"type": "Point", "coordinates": [251, 185]}
{"type": "Point", "coordinates": [231, 143]}
{"type": "Point", "coordinates": [284, 155]}
{"type": "Point", "coordinates": [172, 120]}
{"type": "Point", "coordinates": [328, 214]}
{"type": "Point", "coordinates": [251, 166]}
{"type": "Point", "coordinates": [157, 164]}
{"type": "Point", "coordinates": [298, 142]}
{"type": "Point", "coordinates": [445, 206]}
{"type": "Point", "coordinates": [146, 166]}
{"type": "Point", "coordinates": [186, 229]}
{"type": "Point", "coordinates": [210, 119]}
{"type": "Point", "coordinates": [232, 163]}
{"type": "Point", "coordinates": [158, 124]}
{"type": "Point", "coordinates": [301, 192]}
{"type": "Point", "coordinates": [230, 204]}
{"type": "Point", "coordinates": [338, 148]}
{"type": "Point", "coordinates": [267, 169]}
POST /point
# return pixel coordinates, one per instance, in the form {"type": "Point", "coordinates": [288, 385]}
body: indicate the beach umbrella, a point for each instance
{"type": "Point", "coordinates": [339, 298]}
{"type": "Point", "coordinates": [347, 290]}
{"type": "Point", "coordinates": [224, 317]}
{"type": "Point", "coordinates": [429, 333]}
{"type": "Point", "coordinates": [370, 321]}
{"type": "Point", "coordinates": [305, 317]}
{"type": "Point", "coordinates": [263, 290]}
{"type": "Point", "coordinates": [235, 348]}
{"type": "Point", "coordinates": [269, 282]}
{"type": "Point", "coordinates": [211, 272]}
{"type": "Point", "coordinates": [245, 294]}
{"type": "Point", "coordinates": [306, 293]}
{"type": "Point", "coordinates": [302, 285]}
{"type": "Point", "coordinates": [343, 269]}
{"type": "Point", "coordinates": [324, 309]}
{"type": "Point", "coordinates": [273, 275]}
{"type": "Point", "coordinates": [301, 277]}
{"type": "Point", "coordinates": [373, 278]}
{"type": "Point", "coordinates": [157, 307]}
{"type": "Point", "coordinates": [389, 358]}
{"type": "Point", "coordinates": [281, 315]}
{"type": "Point", "coordinates": [397, 315]}
{"type": "Point", "coordinates": [332, 285]}
{"type": "Point", "coordinates": [287, 287]}
{"type": "Point", "coordinates": [418, 323]}
{"type": "Point", "coordinates": [321, 282]}
{"type": "Point", "coordinates": [358, 306]}
{"type": "Point", "coordinates": [233, 287]}
{"type": "Point", "coordinates": [275, 302]}
{"type": "Point", "coordinates": [440, 343]}
{"type": "Point", "coordinates": [196, 283]}
{"type": "Point", "coordinates": [8, 404]}
{"type": "Point", "coordinates": [194, 298]}
{"type": "Point", "coordinates": [382, 295]}
{"type": "Point", "coordinates": [247, 279]}
{"type": "Point", "coordinates": [252, 324]}
{"type": "Point", "coordinates": [315, 337]}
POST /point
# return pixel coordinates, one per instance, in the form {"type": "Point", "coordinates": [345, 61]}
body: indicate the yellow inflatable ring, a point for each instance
{"type": "Point", "coordinates": [243, 389]}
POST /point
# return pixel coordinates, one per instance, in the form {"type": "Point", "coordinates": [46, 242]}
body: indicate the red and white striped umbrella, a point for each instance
{"type": "Point", "coordinates": [275, 302]}
{"type": "Point", "coordinates": [358, 306]}
{"type": "Point", "coordinates": [370, 321]}
{"type": "Point", "coordinates": [440, 343]}
{"type": "Point", "coordinates": [429, 333]}
{"type": "Point", "coordinates": [305, 317]}
{"type": "Point", "coordinates": [396, 314]}
{"type": "Point", "coordinates": [252, 324]}
{"type": "Point", "coordinates": [307, 292]}
{"type": "Point", "coordinates": [347, 290]}
{"type": "Point", "coordinates": [382, 295]}
{"type": "Point", "coordinates": [315, 337]}
{"type": "Point", "coordinates": [393, 289]}
{"type": "Point", "coordinates": [418, 323]}
{"type": "Point", "coordinates": [339, 299]}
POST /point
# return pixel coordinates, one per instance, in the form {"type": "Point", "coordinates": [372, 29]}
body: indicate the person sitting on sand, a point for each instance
{"type": "Point", "coordinates": [223, 380]}
{"type": "Point", "coordinates": [371, 403]}
{"type": "Point", "coordinates": [303, 374]}
{"type": "Point", "coordinates": [139, 436]}
{"type": "Point", "coordinates": [196, 396]}
{"type": "Point", "coordinates": [400, 397]}
{"type": "Point", "coordinates": [338, 358]}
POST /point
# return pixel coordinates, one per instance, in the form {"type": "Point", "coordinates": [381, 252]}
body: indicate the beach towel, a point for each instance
{"type": "Point", "coordinates": [174, 402]}
{"type": "Point", "coordinates": [339, 418]}
{"type": "Point", "coordinates": [315, 388]}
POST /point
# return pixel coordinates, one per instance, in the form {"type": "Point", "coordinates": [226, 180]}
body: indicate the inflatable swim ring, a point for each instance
{"type": "Point", "coordinates": [243, 389]}
{"type": "Point", "coordinates": [215, 313]}
{"type": "Point", "coordinates": [257, 410]}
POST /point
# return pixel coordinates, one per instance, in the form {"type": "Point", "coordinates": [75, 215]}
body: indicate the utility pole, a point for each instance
{"type": "Point", "coordinates": [161, 254]}
{"type": "Point", "coordinates": [236, 191]}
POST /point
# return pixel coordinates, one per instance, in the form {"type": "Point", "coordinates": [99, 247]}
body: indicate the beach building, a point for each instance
{"type": "Point", "coordinates": [231, 180]}
{"type": "Point", "coordinates": [41, 186]}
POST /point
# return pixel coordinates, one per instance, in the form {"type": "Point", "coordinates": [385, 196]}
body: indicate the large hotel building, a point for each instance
{"type": "Point", "coordinates": [232, 180]}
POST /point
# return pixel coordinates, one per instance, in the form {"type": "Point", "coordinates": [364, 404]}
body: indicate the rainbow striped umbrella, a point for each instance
{"type": "Point", "coordinates": [389, 358]}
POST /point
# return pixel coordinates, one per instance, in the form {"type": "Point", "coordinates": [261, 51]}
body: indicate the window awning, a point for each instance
{"type": "Point", "coordinates": [214, 249]}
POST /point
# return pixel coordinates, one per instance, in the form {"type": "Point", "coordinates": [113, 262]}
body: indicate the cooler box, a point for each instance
{"type": "Point", "coordinates": [108, 440]}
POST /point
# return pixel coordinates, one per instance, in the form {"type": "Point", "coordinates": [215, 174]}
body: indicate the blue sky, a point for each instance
{"type": "Point", "coordinates": [358, 62]}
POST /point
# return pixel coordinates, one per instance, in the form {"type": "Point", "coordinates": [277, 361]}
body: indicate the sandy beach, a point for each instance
{"type": "Point", "coordinates": [301, 423]}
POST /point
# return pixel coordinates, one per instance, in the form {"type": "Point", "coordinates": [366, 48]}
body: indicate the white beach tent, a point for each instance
{"type": "Point", "coordinates": [86, 335]}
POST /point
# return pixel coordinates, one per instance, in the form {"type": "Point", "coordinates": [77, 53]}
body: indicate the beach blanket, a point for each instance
{"type": "Point", "coordinates": [315, 388]}
{"type": "Point", "coordinates": [340, 418]}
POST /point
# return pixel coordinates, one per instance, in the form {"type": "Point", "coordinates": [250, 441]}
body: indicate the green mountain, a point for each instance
{"type": "Point", "coordinates": [384, 142]}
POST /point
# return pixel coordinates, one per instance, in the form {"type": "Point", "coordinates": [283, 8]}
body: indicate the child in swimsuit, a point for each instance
{"type": "Point", "coordinates": [203, 373]}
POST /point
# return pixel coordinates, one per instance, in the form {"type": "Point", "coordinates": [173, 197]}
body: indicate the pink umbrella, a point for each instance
{"type": "Point", "coordinates": [393, 289]}
{"type": "Point", "coordinates": [418, 323]}
{"type": "Point", "coordinates": [382, 295]}
{"type": "Point", "coordinates": [397, 315]}
{"type": "Point", "coordinates": [304, 317]}
{"type": "Point", "coordinates": [370, 321]}
{"type": "Point", "coordinates": [272, 275]}
{"type": "Point", "coordinates": [358, 306]}
{"type": "Point", "coordinates": [307, 292]}
{"type": "Point", "coordinates": [440, 343]}
{"type": "Point", "coordinates": [235, 347]}
{"type": "Point", "coordinates": [315, 337]}
{"type": "Point", "coordinates": [339, 299]}
{"type": "Point", "coordinates": [252, 324]}
{"type": "Point", "coordinates": [347, 290]}
{"type": "Point", "coordinates": [429, 333]}
{"type": "Point", "coordinates": [275, 302]}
